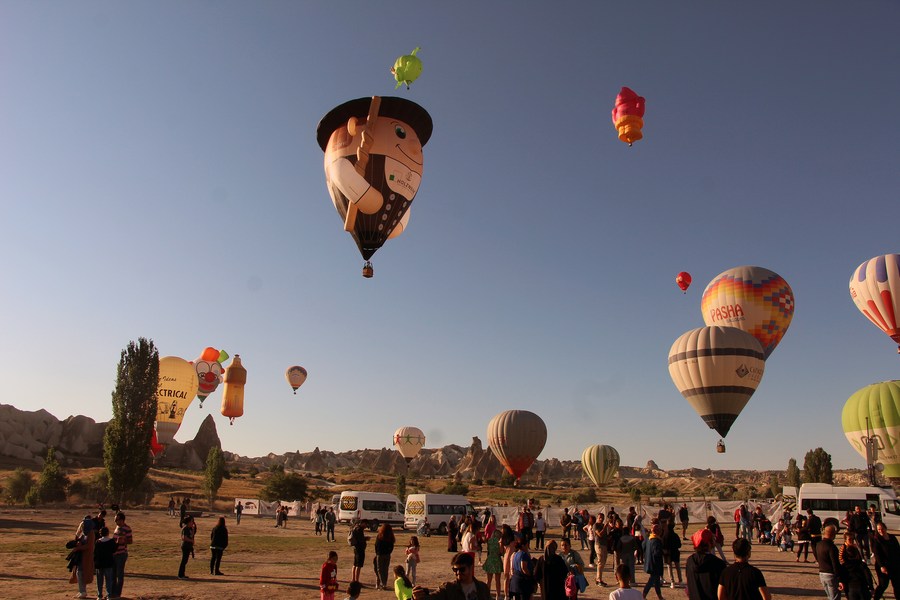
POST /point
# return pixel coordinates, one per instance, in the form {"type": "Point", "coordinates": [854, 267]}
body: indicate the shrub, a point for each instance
{"type": "Point", "coordinates": [18, 486]}
{"type": "Point", "coordinates": [460, 489]}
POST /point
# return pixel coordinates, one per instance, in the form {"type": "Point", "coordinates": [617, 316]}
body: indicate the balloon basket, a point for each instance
{"type": "Point", "coordinates": [720, 447]}
{"type": "Point", "coordinates": [368, 270]}
{"type": "Point", "coordinates": [231, 422]}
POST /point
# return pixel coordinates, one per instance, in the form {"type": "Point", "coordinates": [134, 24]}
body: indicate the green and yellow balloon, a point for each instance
{"type": "Point", "coordinates": [880, 404]}
{"type": "Point", "coordinates": [407, 68]}
{"type": "Point", "coordinates": [600, 463]}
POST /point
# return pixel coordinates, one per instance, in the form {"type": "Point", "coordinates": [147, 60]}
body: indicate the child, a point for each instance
{"type": "Point", "coordinates": [625, 591]}
{"type": "Point", "coordinates": [328, 583]}
{"type": "Point", "coordinates": [412, 558]}
{"type": "Point", "coordinates": [402, 584]}
{"type": "Point", "coordinates": [353, 590]}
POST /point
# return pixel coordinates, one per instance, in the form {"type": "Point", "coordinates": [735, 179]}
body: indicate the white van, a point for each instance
{"type": "Point", "coordinates": [374, 507]}
{"type": "Point", "coordinates": [437, 508]}
{"type": "Point", "coordinates": [831, 503]}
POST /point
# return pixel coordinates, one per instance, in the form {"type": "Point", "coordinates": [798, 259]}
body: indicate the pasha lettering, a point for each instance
{"type": "Point", "coordinates": [727, 312]}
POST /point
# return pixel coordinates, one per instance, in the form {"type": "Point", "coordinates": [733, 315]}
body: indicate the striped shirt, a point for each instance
{"type": "Point", "coordinates": [122, 535]}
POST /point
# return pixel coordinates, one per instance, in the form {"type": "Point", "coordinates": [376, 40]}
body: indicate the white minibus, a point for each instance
{"type": "Point", "coordinates": [831, 503]}
{"type": "Point", "coordinates": [374, 507]}
{"type": "Point", "coordinates": [437, 509]}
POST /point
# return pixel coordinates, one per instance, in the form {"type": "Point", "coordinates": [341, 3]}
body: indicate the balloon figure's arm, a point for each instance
{"type": "Point", "coordinates": [355, 188]}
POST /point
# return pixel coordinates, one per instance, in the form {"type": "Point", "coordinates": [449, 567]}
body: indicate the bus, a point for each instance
{"type": "Point", "coordinates": [831, 503]}
{"type": "Point", "coordinates": [374, 507]}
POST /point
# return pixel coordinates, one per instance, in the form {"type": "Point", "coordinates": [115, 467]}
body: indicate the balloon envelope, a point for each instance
{"type": "Point", "coordinates": [407, 68]}
{"type": "Point", "coordinates": [409, 440]}
{"type": "Point", "coordinates": [295, 376]}
{"type": "Point", "coordinates": [753, 299]}
{"type": "Point", "coordinates": [875, 289]}
{"type": "Point", "coordinates": [177, 388]}
{"type": "Point", "coordinates": [233, 393]}
{"type": "Point", "coordinates": [209, 372]}
{"type": "Point", "coordinates": [600, 463]}
{"type": "Point", "coordinates": [717, 369]}
{"type": "Point", "coordinates": [683, 280]}
{"type": "Point", "coordinates": [627, 116]}
{"type": "Point", "coordinates": [880, 404]}
{"type": "Point", "coordinates": [516, 438]}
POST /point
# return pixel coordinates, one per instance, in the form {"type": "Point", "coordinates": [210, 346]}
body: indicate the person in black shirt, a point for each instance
{"type": "Point", "coordinates": [887, 560]}
{"type": "Point", "coordinates": [740, 580]}
{"type": "Point", "coordinates": [703, 569]}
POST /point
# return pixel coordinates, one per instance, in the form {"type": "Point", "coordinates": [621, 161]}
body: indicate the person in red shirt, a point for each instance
{"type": "Point", "coordinates": [328, 582]}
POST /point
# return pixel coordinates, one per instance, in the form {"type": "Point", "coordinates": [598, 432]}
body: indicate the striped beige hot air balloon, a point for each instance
{"type": "Point", "coordinates": [516, 438]}
{"type": "Point", "coordinates": [717, 369]}
{"type": "Point", "coordinates": [600, 463]}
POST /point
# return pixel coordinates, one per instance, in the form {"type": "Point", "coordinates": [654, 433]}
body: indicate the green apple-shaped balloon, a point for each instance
{"type": "Point", "coordinates": [407, 68]}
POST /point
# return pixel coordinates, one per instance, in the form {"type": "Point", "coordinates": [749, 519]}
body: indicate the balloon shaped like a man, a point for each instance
{"type": "Point", "coordinates": [373, 166]}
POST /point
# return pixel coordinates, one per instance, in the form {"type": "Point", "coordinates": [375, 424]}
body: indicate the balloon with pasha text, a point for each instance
{"type": "Point", "coordinates": [875, 289]}
{"type": "Point", "coordinates": [177, 389]}
{"type": "Point", "coordinates": [683, 280]}
{"type": "Point", "coordinates": [874, 412]}
{"type": "Point", "coordinates": [407, 68]}
{"type": "Point", "coordinates": [295, 376]}
{"type": "Point", "coordinates": [754, 299]}
{"type": "Point", "coordinates": [717, 370]}
{"type": "Point", "coordinates": [628, 116]}
{"type": "Point", "coordinates": [516, 438]}
{"type": "Point", "coordinates": [600, 463]}
{"type": "Point", "coordinates": [408, 441]}
{"type": "Point", "coordinates": [233, 392]}
{"type": "Point", "coordinates": [373, 166]}
{"type": "Point", "coordinates": [209, 371]}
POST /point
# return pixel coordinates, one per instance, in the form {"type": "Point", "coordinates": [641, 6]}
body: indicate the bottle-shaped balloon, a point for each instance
{"type": "Point", "coordinates": [373, 165]}
{"type": "Point", "coordinates": [233, 392]}
{"type": "Point", "coordinates": [176, 390]}
{"type": "Point", "coordinates": [627, 116]}
{"type": "Point", "coordinates": [875, 289]}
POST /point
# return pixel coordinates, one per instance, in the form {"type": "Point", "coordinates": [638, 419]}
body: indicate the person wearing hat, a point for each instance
{"type": "Point", "coordinates": [703, 569]}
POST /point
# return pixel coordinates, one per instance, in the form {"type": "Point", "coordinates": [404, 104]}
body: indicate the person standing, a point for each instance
{"type": "Point", "coordinates": [522, 582]}
{"type": "Point", "coordinates": [740, 580]}
{"type": "Point", "coordinates": [412, 557]}
{"type": "Point", "coordinates": [830, 568]}
{"type": "Point", "coordinates": [887, 560]}
{"type": "Point", "coordinates": [104, 564]}
{"type": "Point", "coordinates": [857, 577]}
{"type": "Point", "coordinates": [814, 524]}
{"type": "Point", "coordinates": [801, 528]}
{"type": "Point", "coordinates": [330, 520]}
{"type": "Point", "coordinates": [493, 564]}
{"type": "Point", "coordinates": [565, 521]}
{"type": "Point", "coordinates": [384, 547]}
{"type": "Point", "coordinates": [187, 544]}
{"type": "Point", "coordinates": [624, 591]}
{"type": "Point", "coordinates": [238, 511]}
{"type": "Point", "coordinates": [80, 559]}
{"type": "Point", "coordinates": [182, 511]}
{"type": "Point", "coordinates": [703, 570]}
{"type": "Point", "coordinates": [653, 561]}
{"type": "Point", "coordinates": [540, 530]}
{"type": "Point", "coordinates": [171, 506]}
{"type": "Point", "coordinates": [862, 527]}
{"type": "Point", "coordinates": [123, 536]}
{"type": "Point", "coordinates": [713, 526]}
{"type": "Point", "coordinates": [672, 554]}
{"type": "Point", "coordinates": [218, 541]}
{"type": "Point", "coordinates": [684, 517]}
{"type": "Point", "coordinates": [358, 540]}
{"type": "Point", "coordinates": [551, 573]}
{"type": "Point", "coordinates": [328, 582]}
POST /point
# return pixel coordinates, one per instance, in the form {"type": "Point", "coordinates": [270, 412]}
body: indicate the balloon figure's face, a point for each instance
{"type": "Point", "coordinates": [210, 375]}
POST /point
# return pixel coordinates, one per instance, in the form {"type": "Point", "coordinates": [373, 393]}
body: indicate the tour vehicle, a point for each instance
{"type": "Point", "coordinates": [831, 502]}
{"type": "Point", "coordinates": [374, 507]}
{"type": "Point", "coordinates": [437, 509]}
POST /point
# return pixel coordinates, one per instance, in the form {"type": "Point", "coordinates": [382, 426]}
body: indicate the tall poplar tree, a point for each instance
{"type": "Point", "coordinates": [213, 474]}
{"type": "Point", "coordinates": [126, 443]}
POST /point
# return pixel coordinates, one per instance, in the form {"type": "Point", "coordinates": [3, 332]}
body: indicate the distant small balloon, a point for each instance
{"type": "Point", "coordinates": [600, 463]}
{"type": "Point", "coordinates": [295, 376]}
{"type": "Point", "coordinates": [407, 68]}
{"type": "Point", "coordinates": [516, 438]}
{"type": "Point", "coordinates": [627, 116]}
{"type": "Point", "coordinates": [683, 280]}
{"type": "Point", "coordinates": [409, 441]}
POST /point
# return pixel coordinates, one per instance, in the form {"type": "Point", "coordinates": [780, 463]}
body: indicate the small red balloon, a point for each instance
{"type": "Point", "coordinates": [683, 280]}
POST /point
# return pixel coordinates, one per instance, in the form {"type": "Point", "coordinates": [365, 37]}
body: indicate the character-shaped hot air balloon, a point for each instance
{"type": "Point", "coordinates": [627, 116]}
{"type": "Point", "coordinates": [233, 393]}
{"type": "Point", "coordinates": [875, 289]}
{"type": "Point", "coordinates": [753, 299]}
{"type": "Point", "coordinates": [295, 376]}
{"type": "Point", "coordinates": [600, 463]}
{"type": "Point", "coordinates": [683, 280]}
{"type": "Point", "coordinates": [879, 404]}
{"type": "Point", "coordinates": [409, 440]}
{"type": "Point", "coordinates": [373, 166]}
{"type": "Point", "coordinates": [516, 438]}
{"type": "Point", "coordinates": [717, 369]}
{"type": "Point", "coordinates": [209, 371]}
{"type": "Point", "coordinates": [407, 68]}
{"type": "Point", "coordinates": [176, 391]}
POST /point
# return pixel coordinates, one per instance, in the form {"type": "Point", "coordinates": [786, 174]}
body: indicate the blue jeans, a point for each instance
{"type": "Point", "coordinates": [118, 574]}
{"type": "Point", "coordinates": [830, 583]}
{"type": "Point", "coordinates": [101, 575]}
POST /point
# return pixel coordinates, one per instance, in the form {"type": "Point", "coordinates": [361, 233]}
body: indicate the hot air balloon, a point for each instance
{"type": "Point", "coordinates": [176, 391]}
{"type": "Point", "coordinates": [295, 376]}
{"type": "Point", "coordinates": [233, 393]}
{"type": "Point", "coordinates": [627, 116]}
{"type": "Point", "coordinates": [875, 289]}
{"type": "Point", "coordinates": [407, 68]}
{"type": "Point", "coordinates": [879, 404]}
{"type": "Point", "coordinates": [409, 440]}
{"type": "Point", "coordinates": [373, 166]}
{"type": "Point", "coordinates": [717, 369]}
{"type": "Point", "coordinates": [209, 371]}
{"type": "Point", "coordinates": [753, 299]}
{"type": "Point", "coordinates": [155, 446]}
{"type": "Point", "coordinates": [600, 463]}
{"type": "Point", "coordinates": [516, 438]}
{"type": "Point", "coordinates": [683, 280]}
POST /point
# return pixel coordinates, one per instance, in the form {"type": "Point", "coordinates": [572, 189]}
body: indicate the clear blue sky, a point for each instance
{"type": "Point", "coordinates": [160, 177]}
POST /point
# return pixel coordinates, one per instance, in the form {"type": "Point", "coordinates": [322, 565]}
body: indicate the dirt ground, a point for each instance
{"type": "Point", "coordinates": [263, 561]}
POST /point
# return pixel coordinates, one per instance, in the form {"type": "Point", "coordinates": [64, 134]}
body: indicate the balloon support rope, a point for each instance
{"type": "Point", "coordinates": [231, 421]}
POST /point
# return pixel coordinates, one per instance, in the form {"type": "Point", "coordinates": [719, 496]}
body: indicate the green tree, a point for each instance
{"type": "Point", "coordinates": [52, 482]}
{"type": "Point", "coordinates": [18, 485]}
{"type": "Point", "coordinates": [126, 442]}
{"type": "Point", "coordinates": [214, 473]}
{"type": "Point", "coordinates": [401, 487]}
{"type": "Point", "coordinates": [773, 489]}
{"type": "Point", "coordinates": [281, 486]}
{"type": "Point", "coordinates": [817, 467]}
{"type": "Point", "coordinates": [792, 475]}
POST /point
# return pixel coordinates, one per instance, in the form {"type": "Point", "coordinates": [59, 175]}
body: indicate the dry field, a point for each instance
{"type": "Point", "coordinates": [261, 561]}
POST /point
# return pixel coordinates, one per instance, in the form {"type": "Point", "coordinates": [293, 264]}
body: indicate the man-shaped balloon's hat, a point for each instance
{"type": "Point", "coordinates": [391, 107]}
